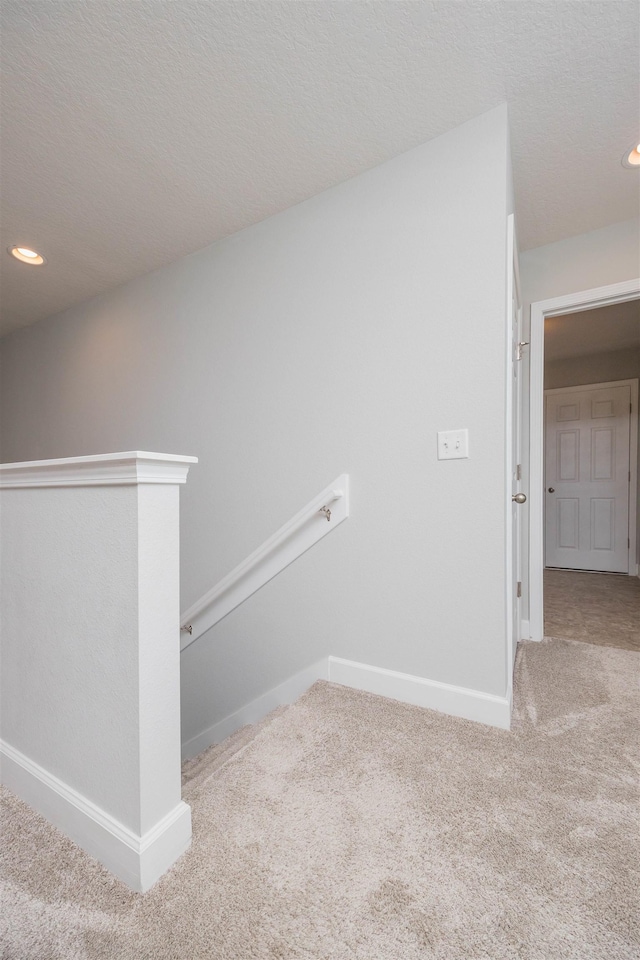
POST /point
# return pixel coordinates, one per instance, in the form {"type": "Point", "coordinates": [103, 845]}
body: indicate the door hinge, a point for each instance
{"type": "Point", "coordinates": [523, 343]}
{"type": "Point", "coordinates": [519, 472]}
{"type": "Point", "coordinates": [519, 590]}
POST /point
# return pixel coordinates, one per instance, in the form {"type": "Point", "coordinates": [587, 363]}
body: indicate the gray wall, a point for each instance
{"type": "Point", "coordinates": [338, 336]}
{"type": "Point", "coordinates": [579, 263]}
{"type": "Point", "coordinates": [594, 368]}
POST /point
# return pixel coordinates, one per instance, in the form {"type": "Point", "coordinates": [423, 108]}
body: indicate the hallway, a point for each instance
{"type": "Point", "coordinates": [596, 608]}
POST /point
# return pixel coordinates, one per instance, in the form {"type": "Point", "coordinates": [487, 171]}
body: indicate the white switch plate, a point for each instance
{"type": "Point", "coordinates": [453, 444]}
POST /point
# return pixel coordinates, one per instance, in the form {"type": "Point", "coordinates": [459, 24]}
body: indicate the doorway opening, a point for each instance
{"type": "Point", "coordinates": [584, 351]}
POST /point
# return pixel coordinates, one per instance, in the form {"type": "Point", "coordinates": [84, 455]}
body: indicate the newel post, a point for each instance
{"type": "Point", "coordinates": [89, 580]}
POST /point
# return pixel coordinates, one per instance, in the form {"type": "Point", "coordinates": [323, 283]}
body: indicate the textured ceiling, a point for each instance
{"type": "Point", "coordinates": [616, 327]}
{"type": "Point", "coordinates": [134, 133]}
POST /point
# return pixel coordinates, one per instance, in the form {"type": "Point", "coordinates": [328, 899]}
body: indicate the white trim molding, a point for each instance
{"type": "Point", "coordinates": [253, 712]}
{"type": "Point", "coordinates": [133, 467]}
{"type": "Point", "coordinates": [455, 701]}
{"type": "Point", "coordinates": [557, 306]}
{"type": "Point", "coordinates": [432, 694]}
{"type": "Point", "coordinates": [136, 860]}
{"type": "Point", "coordinates": [513, 428]}
{"type": "Point", "coordinates": [322, 515]}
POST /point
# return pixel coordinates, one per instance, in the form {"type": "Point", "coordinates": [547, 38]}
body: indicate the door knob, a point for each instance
{"type": "Point", "coordinates": [552, 489]}
{"type": "Point", "coordinates": [519, 497]}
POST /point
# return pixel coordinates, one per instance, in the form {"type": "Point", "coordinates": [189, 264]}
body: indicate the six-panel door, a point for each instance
{"type": "Point", "coordinates": [587, 478]}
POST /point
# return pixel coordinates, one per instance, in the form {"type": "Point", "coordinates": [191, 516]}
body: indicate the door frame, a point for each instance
{"type": "Point", "coordinates": [556, 306]}
{"type": "Point", "coordinates": [632, 483]}
{"type": "Point", "coordinates": [513, 427]}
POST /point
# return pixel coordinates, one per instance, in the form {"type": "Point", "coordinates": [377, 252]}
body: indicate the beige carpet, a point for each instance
{"type": "Point", "coordinates": [350, 827]}
{"type": "Point", "coordinates": [593, 607]}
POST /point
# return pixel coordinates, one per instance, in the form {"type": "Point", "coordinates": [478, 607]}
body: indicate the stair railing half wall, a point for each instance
{"type": "Point", "coordinates": [318, 518]}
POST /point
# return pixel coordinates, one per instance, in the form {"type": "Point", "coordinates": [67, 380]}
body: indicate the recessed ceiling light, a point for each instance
{"type": "Point", "coordinates": [27, 255]}
{"type": "Point", "coordinates": [632, 157]}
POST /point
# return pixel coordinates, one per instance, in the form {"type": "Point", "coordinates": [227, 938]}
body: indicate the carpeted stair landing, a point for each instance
{"type": "Point", "coordinates": [197, 771]}
{"type": "Point", "coordinates": [350, 827]}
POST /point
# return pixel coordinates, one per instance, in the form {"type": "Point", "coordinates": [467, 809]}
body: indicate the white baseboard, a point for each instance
{"type": "Point", "coordinates": [525, 630]}
{"type": "Point", "coordinates": [456, 701]}
{"type": "Point", "coordinates": [136, 860]}
{"type": "Point", "coordinates": [254, 711]}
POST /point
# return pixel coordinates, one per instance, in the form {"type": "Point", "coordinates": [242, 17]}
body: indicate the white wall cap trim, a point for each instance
{"type": "Point", "coordinates": [132, 467]}
{"type": "Point", "coordinates": [137, 860]}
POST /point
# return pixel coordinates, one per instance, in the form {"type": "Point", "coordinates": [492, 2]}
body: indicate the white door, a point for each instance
{"type": "Point", "coordinates": [587, 477]}
{"type": "Point", "coordinates": [514, 508]}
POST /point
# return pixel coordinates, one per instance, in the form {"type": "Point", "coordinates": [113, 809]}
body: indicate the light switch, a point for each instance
{"type": "Point", "coordinates": [453, 444]}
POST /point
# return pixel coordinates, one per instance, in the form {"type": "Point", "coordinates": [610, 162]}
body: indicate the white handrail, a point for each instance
{"type": "Point", "coordinates": [292, 539]}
